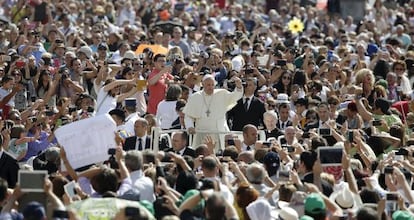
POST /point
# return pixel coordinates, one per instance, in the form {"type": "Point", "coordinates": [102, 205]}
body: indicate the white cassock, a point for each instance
{"type": "Point", "coordinates": [208, 113]}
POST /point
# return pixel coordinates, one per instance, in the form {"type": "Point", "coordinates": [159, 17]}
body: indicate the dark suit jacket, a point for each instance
{"type": "Point", "coordinates": [131, 142]}
{"type": "Point", "coordinates": [188, 151]}
{"type": "Point", "coordinates": [274, 133]}
{"type": "Point", "coordinates": [311, 126]}
{"type": "Point", "coordinates": [9, 169]}
{"type": "Point", "coordinates": [176, 124]}
{"type": "Point", "coordinates": [240, 117]}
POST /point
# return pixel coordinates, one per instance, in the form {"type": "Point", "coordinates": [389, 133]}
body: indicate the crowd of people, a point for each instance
{"type": "Point", "coordinates": [268, 109]}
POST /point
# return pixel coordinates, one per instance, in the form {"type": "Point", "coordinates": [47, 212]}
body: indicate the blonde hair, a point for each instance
{"type": "Point", "coordinates": [328, 178]}
{"type": "Point", "coordinates": [228, 65]}
{"type": "Point", "coordinates": [361, 74]}
{"type": "Point", "coordinates": [175, 51]}
{"type": "Point", "coordinates": [217, 51]}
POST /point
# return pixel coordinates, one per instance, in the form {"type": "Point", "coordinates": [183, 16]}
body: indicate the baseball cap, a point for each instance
{"type": "Point", "coordinates": [147, 205]}
{"type": "Point", "coordinates": [402, 215]}
{"type": "Point", "coordinates": [130, 102]}
{"type": "Point", "coordinates": [383, 83]}
{"type": "Point", "coordinates": [34, 210]}
{"type": "Point", "coordinates": [306, 217]}
{"type": "Point", "coordinates": [314, 204]}
{"type": "Point", "coordinates": [272, 161]}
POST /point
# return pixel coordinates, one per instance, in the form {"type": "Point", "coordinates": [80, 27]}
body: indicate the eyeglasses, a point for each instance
{"type": "Point", "coordinates": [272, 105]}
{"type": "Point", "coordinates": [161, 61]}
{"type": "Point", "coordinates": [399, 69]}
{"type": "Point", "coordinates": [286, 77]}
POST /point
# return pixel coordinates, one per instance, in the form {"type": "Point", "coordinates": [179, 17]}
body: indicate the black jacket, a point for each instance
{"type": "Point", "coordinates": [131, 142]}
{"type": "Point", "coordinates": [239, 117]}
{"type": "Point", "coordinates": [9, 169]}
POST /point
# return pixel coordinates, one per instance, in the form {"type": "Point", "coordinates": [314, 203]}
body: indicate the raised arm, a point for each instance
{"type": "Point", "coordinates": [123, 96]}
{"type": "Point", "coordinates": [365, 114]}
{"type": "Point", "coordinates": [118, 83]}
{"type": "Point", "coordinates": [154, 79]}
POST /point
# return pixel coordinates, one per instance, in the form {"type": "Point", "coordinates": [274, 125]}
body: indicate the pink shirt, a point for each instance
{"type": "Point", "coordinates": [157, 91]}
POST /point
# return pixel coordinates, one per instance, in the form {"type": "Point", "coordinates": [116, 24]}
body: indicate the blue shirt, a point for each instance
{"type": "Point", "coordinates": [37, 146]}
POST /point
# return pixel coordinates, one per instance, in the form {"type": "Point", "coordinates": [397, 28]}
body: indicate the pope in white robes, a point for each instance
{"type": "Point", "coordinates": [205, 111]}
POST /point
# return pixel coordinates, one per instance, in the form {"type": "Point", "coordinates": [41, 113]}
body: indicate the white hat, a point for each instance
{"type": "Point", "coordinates": [343, 198]}
{"type": "Point", "coordinates": [129, 54]}
{"type": "Point", "coordinates": [259, 210]}
{"type": "Point", "coordinates": [208, 76]}
{"type": "Point", "coordinates": [288, 213]}
{"type": "Point", "coordinates": [86, 50]}
{"type": "Point", "coordinates": [282, 98]}
{"type": "Point", "coordinates": [297, 202]}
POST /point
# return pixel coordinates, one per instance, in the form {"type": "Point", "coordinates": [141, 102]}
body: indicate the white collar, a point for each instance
{"type": "Point", "coordinates": [244, 147]}
{"type": "Point", "coordinates": [136, 173]}
{"type": "Point", "coordinates": [249, 97]}
{"type": "Point", "coordinates": [131, 116]}
{"type": "Point", "coordinates": [212, 178]}
{"type": "Point", "coordinates": [1, 153]}
{"type": "Point", "coordinates": [181, 152]}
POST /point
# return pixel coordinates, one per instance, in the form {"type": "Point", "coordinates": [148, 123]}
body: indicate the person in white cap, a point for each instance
{"type": "Point", "coordinates": [206, 110]}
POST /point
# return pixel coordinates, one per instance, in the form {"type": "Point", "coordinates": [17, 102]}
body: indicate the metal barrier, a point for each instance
{"type": "Point", "coordinates": [157, 133]}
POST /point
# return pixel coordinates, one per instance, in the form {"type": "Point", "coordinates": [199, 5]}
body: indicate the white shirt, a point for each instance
{"type": "Point", "coordinates": [223, 189]}
{"type": "Point", "coordinates": [244, 147]}
{"type": "Point", "coordinates": [126, 14]}
{"type": "Point", "coordinates": [283, 125]}
{"type": "Point", "coordinates": [143, 141]}
{"type": "Point", "coordinates": [116, 57]}
{"type": "Point", "coordinates": [141, 103]}
{"type": "Point", "coordinates": [181, 152]}
{"type": "Point", "coordinates": [130, 123]}
{"type": "Point", "coordinates": [143, 184]}
{"type": "Point", "coordinates": [166, 114]}
{"type": "Point", "coordinates": [105, 102]}
{"type": "Point", "coordinates": [4, 93]}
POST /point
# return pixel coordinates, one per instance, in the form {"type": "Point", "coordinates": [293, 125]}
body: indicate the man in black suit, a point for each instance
{"type": "Point", "coordinates": [248, 110]}
{"type": "Point", "coordinates": [180, 144]}
{"type": "Point", "coordinates": [141, 140]}
{"type": "Point", "coordinates": [8, 167]}
{"type": "Point", "coordinates": [284, 121]}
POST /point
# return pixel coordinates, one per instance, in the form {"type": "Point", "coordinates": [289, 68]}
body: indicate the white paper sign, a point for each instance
{"type": "Point", "coordinates": [87, 141]}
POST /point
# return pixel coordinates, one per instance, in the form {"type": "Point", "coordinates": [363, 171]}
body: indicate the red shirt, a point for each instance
{"type": "Point", "coordinates": [402, 107]}
{"type": "Point", "coordinates": [157, 91]}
